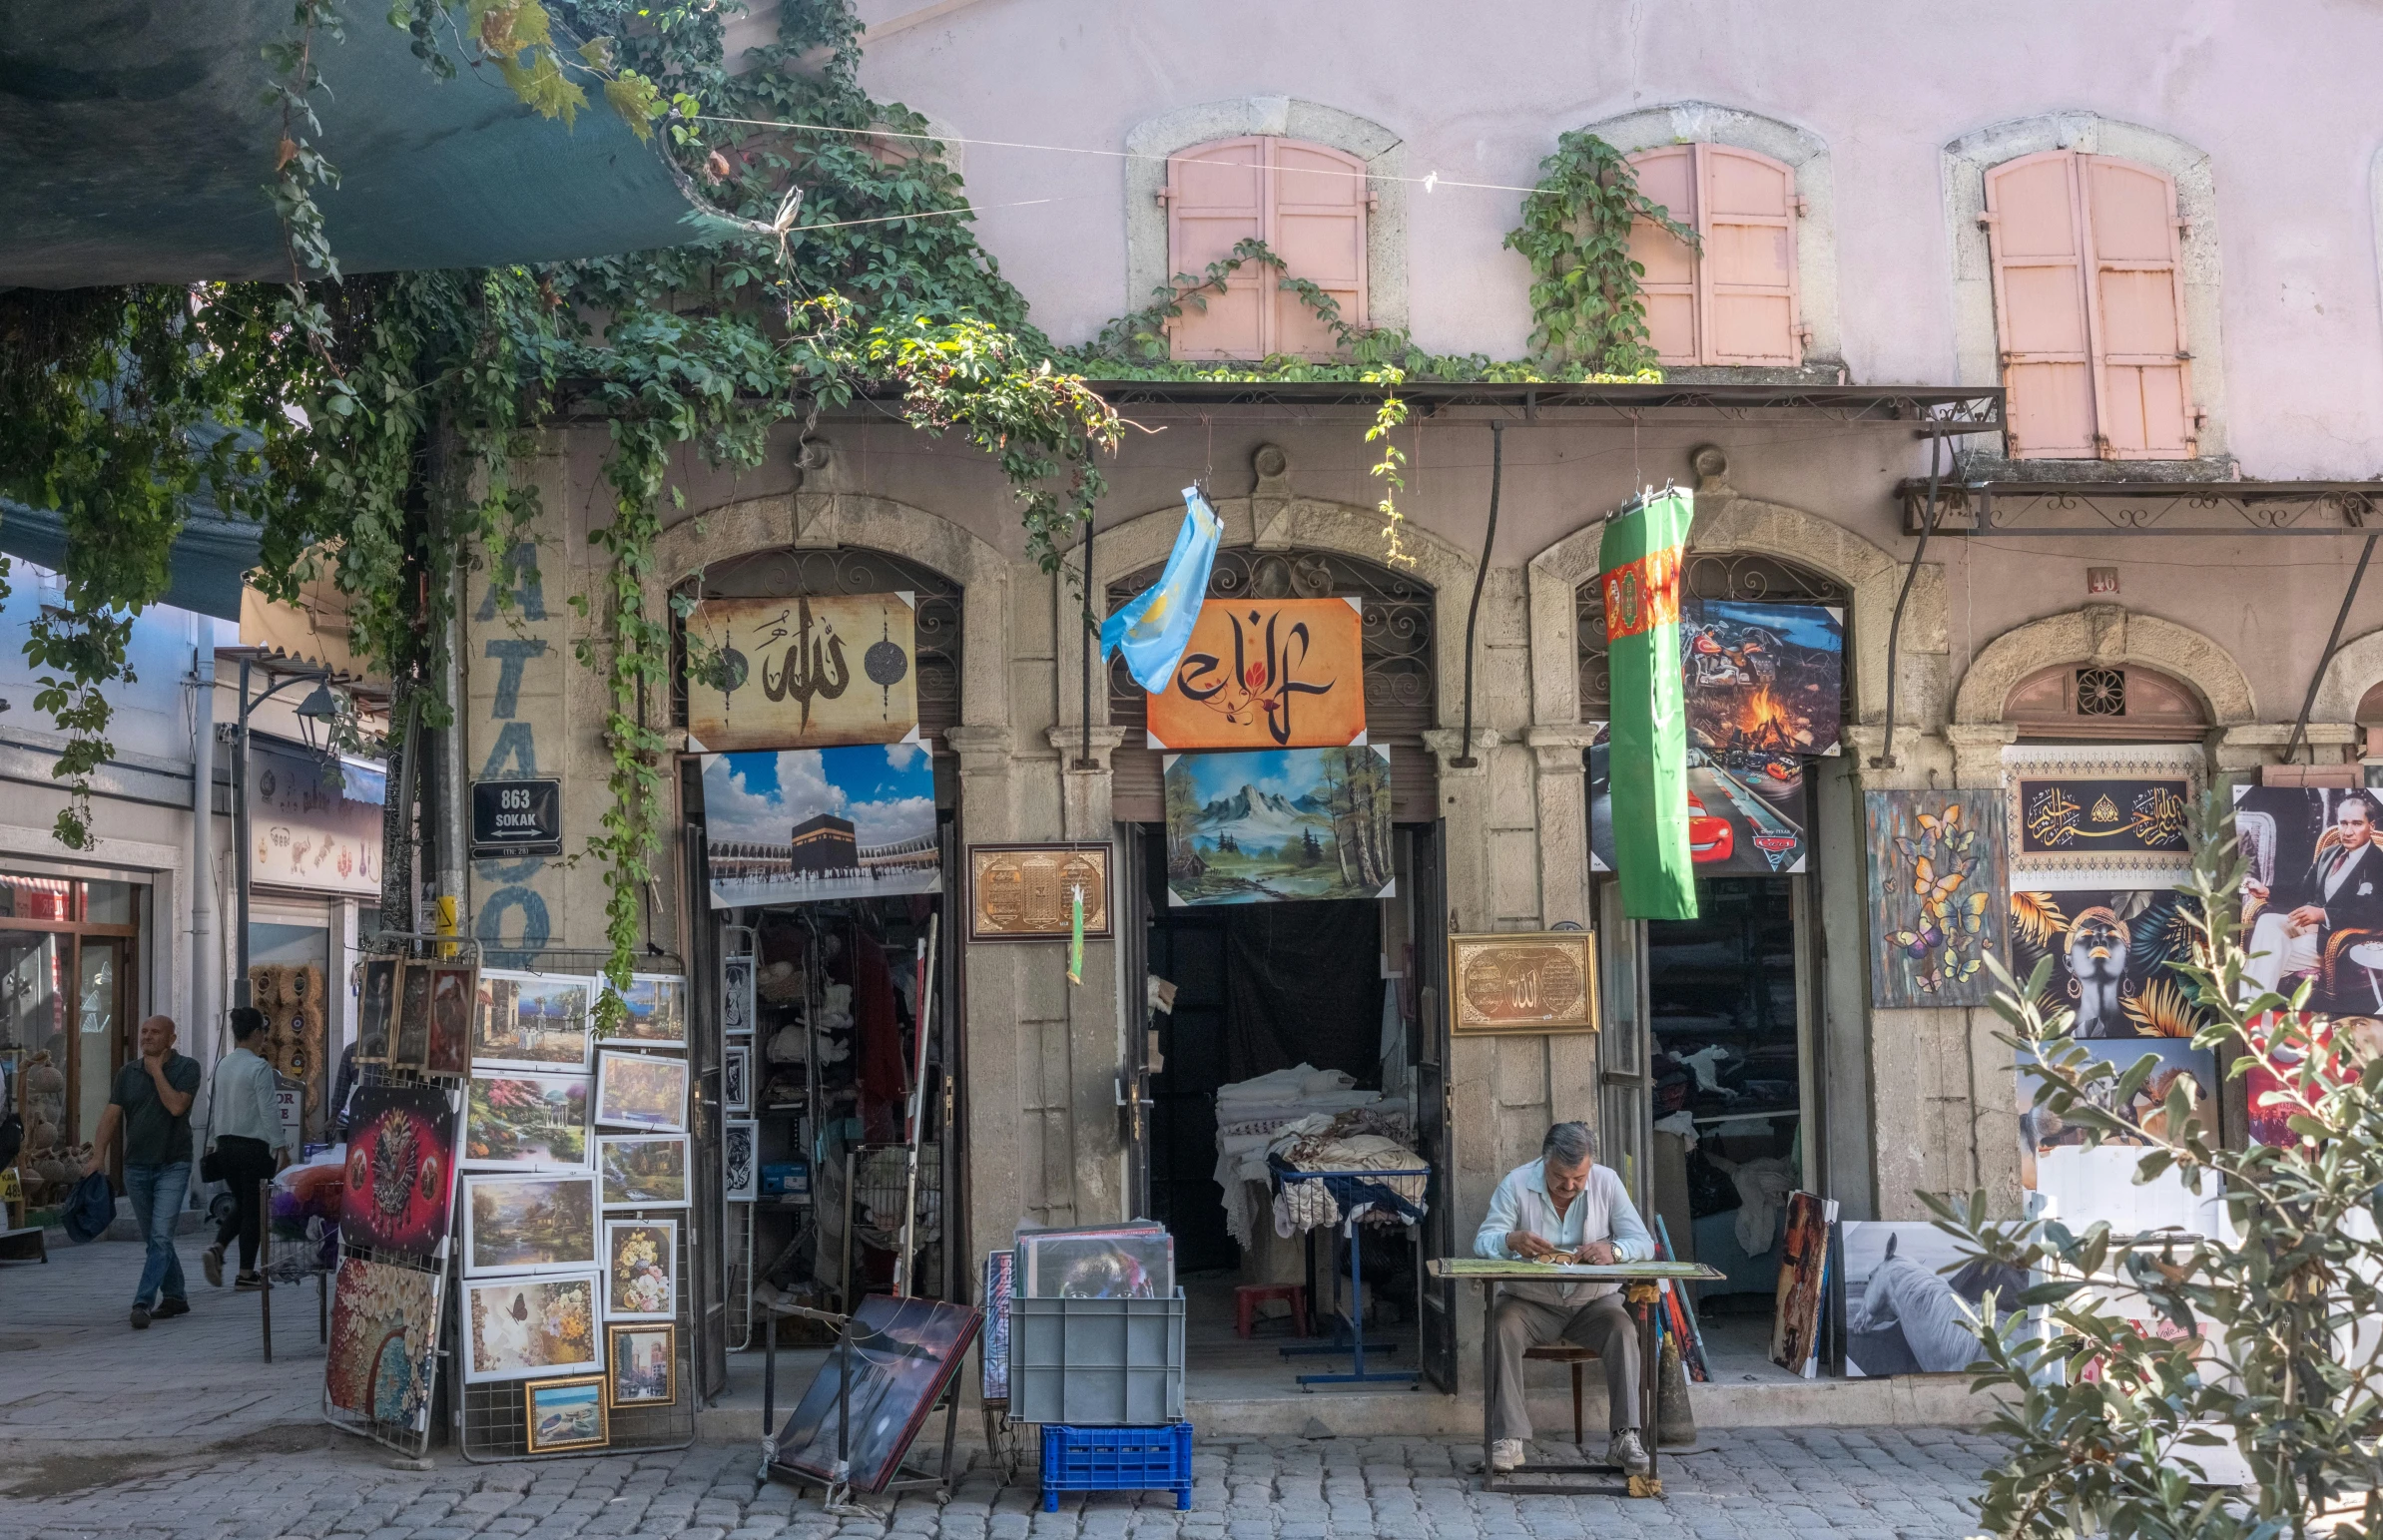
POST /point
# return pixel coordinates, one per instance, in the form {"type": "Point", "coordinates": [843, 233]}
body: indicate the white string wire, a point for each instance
{"type": "Point", "coordinates": [934, 214]}
{"type": "Point", "coordinates": [1427, 182]}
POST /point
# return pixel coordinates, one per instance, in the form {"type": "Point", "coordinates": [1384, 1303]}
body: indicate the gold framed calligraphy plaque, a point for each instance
{"type": "Point", "coordinates": [814, 672]}
{"type": "Point", "coordinates": [1020, 892]}
{"type": "Point", "coordinates": [1532, 981]}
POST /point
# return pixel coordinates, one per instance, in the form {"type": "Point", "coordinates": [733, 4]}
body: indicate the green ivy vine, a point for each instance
{"type": "Point", "coordinates": [1585, 303]}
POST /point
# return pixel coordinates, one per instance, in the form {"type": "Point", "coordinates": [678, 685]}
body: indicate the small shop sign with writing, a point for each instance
{"type": "Point", "coordinates": [516, 817]}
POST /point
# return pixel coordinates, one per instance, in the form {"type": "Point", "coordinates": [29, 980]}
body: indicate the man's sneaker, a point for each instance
{"type": "Point", "coordinates": [1505, 1455]}
{"type": "Point", "coordinates": [140, 1317]}
{"type": "Point", "coordinates": [167, 1309]}
{"type": "Point", "coordinates": [212, 1261]}
{"type": "Point", "coordinates": [249, 1280]}
{"type": "Point", "coordinates": [1627, 1452]}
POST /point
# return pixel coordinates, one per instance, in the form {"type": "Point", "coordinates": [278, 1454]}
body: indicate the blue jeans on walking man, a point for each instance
{"type": "Point", "coordinates": [157, 1193]}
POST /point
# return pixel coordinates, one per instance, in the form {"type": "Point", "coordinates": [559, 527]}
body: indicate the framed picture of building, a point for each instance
{"type": "Point", "coordinates": [1538, 981]}
{"type": "Point", "coordinates": [814, 826]}
{"type": "Point", "coordinates": [1025, 892]}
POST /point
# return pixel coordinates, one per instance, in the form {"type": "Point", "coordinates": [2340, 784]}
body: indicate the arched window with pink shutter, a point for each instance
{"type": "Point", "coordinates": [1730, 302]}
{"type": "Point", "coordinates": [2088, 300]}
{"type": "Point", "coordinates": [1308, 203]}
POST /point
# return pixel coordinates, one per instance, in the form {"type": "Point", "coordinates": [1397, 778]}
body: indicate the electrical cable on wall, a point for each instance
{"type": "Point", "coordinates": [1936, 445]}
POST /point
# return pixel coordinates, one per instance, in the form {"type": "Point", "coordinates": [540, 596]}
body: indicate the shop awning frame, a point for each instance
{"type": "Point", "coordinates": [2122, 509]}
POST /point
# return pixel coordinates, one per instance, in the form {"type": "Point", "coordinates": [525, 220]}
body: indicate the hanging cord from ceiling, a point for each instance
{"type": "Point", "coordinates": [1481, 575]}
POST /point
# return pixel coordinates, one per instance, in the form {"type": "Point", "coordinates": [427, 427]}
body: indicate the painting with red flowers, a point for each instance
{"type": "Point", "coordinates": [401, 1170]}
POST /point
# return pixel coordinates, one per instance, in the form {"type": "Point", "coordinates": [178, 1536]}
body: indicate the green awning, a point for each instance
{"type": "Point", "coordinates": [211, 555]}
{"type": "Point", "coordinates": [135, 146]}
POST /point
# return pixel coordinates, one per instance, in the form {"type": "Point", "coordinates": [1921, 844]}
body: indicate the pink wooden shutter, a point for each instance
{"type": "Point", "coordinates": [1318, 229]}
{"type": "Point", "coordinates": [1748, 269]}
{"type": "Point", "coordinates": [2031, 232]}
{"type": "Point", "coordinates": [2144, 385]}
{"type": "Point", "coordinates": [1668, 288]}
{"type": "Point", "coordinates": [1216, 199]}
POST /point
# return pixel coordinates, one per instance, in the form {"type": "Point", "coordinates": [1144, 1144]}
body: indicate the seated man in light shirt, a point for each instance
{"type": "Point", "coordinates": [1564, 1206]}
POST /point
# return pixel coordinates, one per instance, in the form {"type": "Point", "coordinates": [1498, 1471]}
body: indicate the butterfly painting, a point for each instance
{"type": "Point", "coordinates": [1938, 870]}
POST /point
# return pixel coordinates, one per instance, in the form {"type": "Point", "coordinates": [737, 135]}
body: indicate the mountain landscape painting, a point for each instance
{"type": "Point", "coordinates": [1285, 824]}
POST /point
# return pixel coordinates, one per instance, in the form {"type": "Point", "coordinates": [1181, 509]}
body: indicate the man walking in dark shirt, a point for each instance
{"type": "Point", "coordinates": [150, 1103]}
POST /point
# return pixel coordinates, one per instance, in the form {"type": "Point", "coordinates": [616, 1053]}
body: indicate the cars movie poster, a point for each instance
{"type": "Point", "coordinates": [1267, 674]}
{"type": "Point", "coordinates": [1747, 812]}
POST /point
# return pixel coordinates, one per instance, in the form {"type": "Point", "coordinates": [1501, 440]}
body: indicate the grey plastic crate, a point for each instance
{"type": "Point", "coordinates": [1096, 1362]}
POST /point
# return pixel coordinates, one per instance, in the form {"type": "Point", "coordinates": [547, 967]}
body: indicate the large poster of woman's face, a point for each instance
{"type": "Point", "coordinates": [2312, 893]}
{"type": "Point", "coordinates": [2112, 959]}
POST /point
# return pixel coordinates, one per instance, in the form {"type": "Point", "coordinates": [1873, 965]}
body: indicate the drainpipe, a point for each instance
{"type": "Point", "coordinates": [206, 959]}
{"type": "Point", "coordinates": [240, 837]}
{"type": "Point", "coordinates": [447, 784]}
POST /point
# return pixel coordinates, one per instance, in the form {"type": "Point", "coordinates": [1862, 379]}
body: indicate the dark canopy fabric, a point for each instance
{"type": "Point", "coordinates": [135, 146]}
{"type": "Point", "coordinates": [211, 555]}
{"type": "Point", "coordinates": [1303, 986]}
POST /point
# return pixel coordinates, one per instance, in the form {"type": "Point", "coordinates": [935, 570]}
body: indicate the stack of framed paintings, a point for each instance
{"type": "Point", "coordinates": [575, 1151]}
{"type": "Point", "coordinates": [494, 1139]}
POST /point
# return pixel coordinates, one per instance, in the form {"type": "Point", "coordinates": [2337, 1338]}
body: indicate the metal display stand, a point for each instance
{"type": "Point", "coordinates": [835, 1492]}
{"type": "Point", "coordinates": [1348, 1325]}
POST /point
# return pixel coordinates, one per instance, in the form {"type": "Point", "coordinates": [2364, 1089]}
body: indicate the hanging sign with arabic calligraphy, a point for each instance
{"type": "Point", "coordinates": [805, 673]}
{"type": "Point", "coordinates": [2088, 817]}
{"type": "Point", "coordinates": [1267, 674]}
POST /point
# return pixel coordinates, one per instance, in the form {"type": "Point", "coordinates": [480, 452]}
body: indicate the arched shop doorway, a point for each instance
{"type": "Point", "coordinates": [1712, 1092]}
{"type": "Point", "coordinates": [819, 1001]}
{"type": "Point", "coordinates": [1346, 985]}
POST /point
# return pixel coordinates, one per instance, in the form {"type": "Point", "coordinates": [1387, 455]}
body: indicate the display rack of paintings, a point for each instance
{"type": "Point", "coordinates": [571, 1240]}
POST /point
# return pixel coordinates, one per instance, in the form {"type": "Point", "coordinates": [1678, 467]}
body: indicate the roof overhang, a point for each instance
{"type": "Point", "coordinates": [135, 144]}
{"type": "Point", "coordinates": [1929, 409]}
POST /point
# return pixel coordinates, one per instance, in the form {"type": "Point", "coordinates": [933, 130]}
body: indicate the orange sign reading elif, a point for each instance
{"type": "Point", "coordinates": [1267, 674]}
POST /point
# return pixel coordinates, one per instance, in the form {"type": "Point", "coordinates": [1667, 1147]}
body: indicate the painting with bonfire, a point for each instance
{"type": "Point", "coordinates": [2110, 959]}
{"type": "Point", "coordinates": [1763, 679]}
{"type": "Point", "coordinates": [1937, 876]}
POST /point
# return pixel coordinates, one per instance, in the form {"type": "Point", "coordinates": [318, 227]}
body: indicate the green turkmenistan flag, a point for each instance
{"type": "Point", "coordinates": [1639, 566]}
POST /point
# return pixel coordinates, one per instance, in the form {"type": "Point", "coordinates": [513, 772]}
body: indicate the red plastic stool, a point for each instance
{"type": "Point", "coordinates": [1248, 1297]}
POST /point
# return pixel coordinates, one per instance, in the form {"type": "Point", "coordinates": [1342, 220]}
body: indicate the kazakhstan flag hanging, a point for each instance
{"type": "Point", "coordinates": [1155, 626]}
{"type": "Point", "coordinates": [1639, 565]}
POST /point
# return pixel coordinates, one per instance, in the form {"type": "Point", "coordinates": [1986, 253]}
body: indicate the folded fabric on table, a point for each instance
{"type": "Point", "coordinates": [1324, 1178]}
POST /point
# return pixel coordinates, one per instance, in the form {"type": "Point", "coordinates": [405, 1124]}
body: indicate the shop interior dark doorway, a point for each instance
{"type": "Point", "coordinates": [1726, 1005]}
{"type": "Point", "coordinates": [1292, 1034]}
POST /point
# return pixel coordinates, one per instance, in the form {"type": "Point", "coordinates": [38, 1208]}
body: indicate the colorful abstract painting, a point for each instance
{"type": "Point", "coordinates": [400, 1182]}
{"type": "Point", "coordinates": [1938, 896]}
{"type": "Point", "coordinates": [385, 1326]}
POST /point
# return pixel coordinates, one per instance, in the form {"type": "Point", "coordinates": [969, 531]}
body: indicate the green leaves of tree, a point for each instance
{"type": "Point", "coordinates": [1575, 234]}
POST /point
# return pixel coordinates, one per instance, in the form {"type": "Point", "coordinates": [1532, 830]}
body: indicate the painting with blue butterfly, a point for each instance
{"type": "Point", "coordinates": [1939, 879]}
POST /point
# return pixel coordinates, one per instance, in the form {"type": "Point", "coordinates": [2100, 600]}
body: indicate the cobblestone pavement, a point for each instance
{"type": "Point", "coordinates": [1849, 1484]}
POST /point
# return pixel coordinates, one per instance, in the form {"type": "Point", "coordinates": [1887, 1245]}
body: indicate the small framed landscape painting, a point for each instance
{"type": "Point", "coordinates": [645, 1364]}
{"type": "Point", "coordinates": [529, 1223]}
{"type": "Point", "coordinates": [521, 1119]}
{"type": "Point", "coordinates": [641, 1091]}
{"type": "Point", "coordinates": [565, 1415]}
{"type": "Point", "coordinates": [642, 1170]}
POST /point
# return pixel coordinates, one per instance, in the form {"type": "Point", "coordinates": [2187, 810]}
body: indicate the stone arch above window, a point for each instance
{"type": "Point", "coordinates": [1812, 271]}
{"type": "Point", "coordinates": [2108, 636]}
{"type": "Point", "coordinates": [1379, 151]}
{"type": "Point", "coordinates": [2074, 149]}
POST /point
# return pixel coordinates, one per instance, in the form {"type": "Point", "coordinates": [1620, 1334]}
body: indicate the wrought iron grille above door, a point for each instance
{"type": "Point", "coordinates": [1748, 577]}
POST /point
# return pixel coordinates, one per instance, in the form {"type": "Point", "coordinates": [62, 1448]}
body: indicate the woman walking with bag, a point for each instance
{"type": "Point", "coordinates": [246, 1122]}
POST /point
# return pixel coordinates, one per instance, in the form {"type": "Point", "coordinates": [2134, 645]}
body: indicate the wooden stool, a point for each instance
{"type": "Point", "coordinates": [1248, 1297]}
{"type": "Point", "coordinates": [1565, 1352]}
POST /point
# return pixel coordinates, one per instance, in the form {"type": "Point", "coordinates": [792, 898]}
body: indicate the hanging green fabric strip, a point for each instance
{"type": "Point", "coordinates": [1639, 566]}
{"type": "Point", "coordinates": [1075, 936]}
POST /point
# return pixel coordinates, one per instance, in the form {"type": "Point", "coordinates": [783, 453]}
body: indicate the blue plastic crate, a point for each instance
{"type": "Point", "coordinates": [1116, 1459]}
